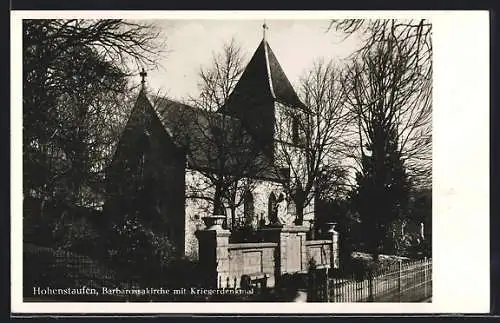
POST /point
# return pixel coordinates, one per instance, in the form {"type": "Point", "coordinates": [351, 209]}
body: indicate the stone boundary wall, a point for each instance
{"type": "Point", "coordinates": [287, 252]}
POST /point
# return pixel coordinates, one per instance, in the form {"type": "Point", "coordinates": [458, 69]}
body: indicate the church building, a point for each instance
{"type": "Point", "coordinates": [182, 163]}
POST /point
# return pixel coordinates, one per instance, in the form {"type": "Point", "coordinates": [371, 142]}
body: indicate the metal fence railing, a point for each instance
{"type": "Point", "coordinates": [404, 282]}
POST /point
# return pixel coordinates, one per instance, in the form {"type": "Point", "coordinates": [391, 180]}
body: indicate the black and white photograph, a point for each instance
{"type": "Point", "coordinates": [227, 160]}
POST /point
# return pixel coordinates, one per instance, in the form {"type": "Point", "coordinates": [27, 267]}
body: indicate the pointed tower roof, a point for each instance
{"type": "Point", "coordinates": [264, 79]}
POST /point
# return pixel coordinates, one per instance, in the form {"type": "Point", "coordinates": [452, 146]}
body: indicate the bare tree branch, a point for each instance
{"type": "Point", "coordinates": [389, 83]}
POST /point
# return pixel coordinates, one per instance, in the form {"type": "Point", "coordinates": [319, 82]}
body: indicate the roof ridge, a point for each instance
{"type": "Point", "coordinates": [268, 68]}
{"type": "Point", "coordinates": [193, 108]}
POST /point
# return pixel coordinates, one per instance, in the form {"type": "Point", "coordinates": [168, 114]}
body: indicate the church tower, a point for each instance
{"type": "Point", "coordinates": [265, 101]}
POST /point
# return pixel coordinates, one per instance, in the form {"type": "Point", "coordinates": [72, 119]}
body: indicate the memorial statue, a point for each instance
{"type": "Point", "coordinates": [282, 209]}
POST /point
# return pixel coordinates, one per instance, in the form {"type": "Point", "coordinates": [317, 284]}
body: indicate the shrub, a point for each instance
{"type": "Point", "coordinates": [361, 265]}
{"type": "Point", "coordinates": [245, 233]}
{"type": "Point", "coordinates": [47, 267]}
{"type": "Point", "coordinates": [75, 234]}
{"type": "Point", "coordinates": [413, 246]}
{"type": "Point", "coordinates": [60, 226]}
{"type": "Point", "coordinates": [139, 250]}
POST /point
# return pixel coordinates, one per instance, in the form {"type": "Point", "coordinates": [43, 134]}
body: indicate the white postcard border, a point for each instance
{"type": "Point", "coordinates": [461, 278]}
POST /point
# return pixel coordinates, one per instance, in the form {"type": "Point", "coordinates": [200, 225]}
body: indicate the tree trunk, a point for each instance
{"type": "Point", "coordinates": [299, 206]}
{"type": "Point", "coordinates": [299, 199]}
{"type": "Point", "coordinates": [233, 216]}
{"type": "Point", "coordinates": [218, 200]}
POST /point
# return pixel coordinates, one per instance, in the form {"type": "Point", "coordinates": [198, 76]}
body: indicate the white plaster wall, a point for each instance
{"type": "Point", "coordinates": [261, 197]}
{"type": "Point", "coordinates": [197, 208]}
{"type": "Point", "coordinates": [261, 190]}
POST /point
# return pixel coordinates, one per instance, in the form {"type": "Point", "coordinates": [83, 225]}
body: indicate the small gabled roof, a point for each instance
{"type": "Point", "coordinates": [263, 79]}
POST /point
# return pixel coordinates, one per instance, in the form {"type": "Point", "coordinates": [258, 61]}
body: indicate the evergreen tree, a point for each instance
{"type": "Point", "coordinates": [388, 93]}
{"type": "Point", "coordinates": [382, 193]}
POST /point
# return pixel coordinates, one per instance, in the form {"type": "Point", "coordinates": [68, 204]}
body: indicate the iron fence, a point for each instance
{"type": "Point", "coordinates": [403, 282]}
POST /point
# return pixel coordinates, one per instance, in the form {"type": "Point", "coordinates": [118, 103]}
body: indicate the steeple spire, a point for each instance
{"type": "Point", "coordinates": [264, 27]}
{"type": "Point", "coordinates": [143, 75]}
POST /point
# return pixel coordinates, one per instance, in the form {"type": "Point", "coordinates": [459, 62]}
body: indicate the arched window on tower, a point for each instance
{"type": "Point", "coordinates": [248, 208]}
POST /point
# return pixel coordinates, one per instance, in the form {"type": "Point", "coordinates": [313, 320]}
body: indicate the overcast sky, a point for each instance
{"type": "Point", "coordinates": [190, 44]}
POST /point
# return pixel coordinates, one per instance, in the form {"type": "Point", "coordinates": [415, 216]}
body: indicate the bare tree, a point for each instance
{"type": "Point", "coordinates": [388, 90]}
{"type": "Point", "coordinates": [75, 82]}
{"type": "Point", "coordinates": [218, 80]}
{"type": "Point", "coordinates": [415, 34]}
{"type": "Point", "coordinates": [232, 158]}
{"type": "Point", "coordinates": [393, 68]}
{"type": "Point", "coordinates": [314, 148]}
{"type": "Point", "coordinates": [222, 151]}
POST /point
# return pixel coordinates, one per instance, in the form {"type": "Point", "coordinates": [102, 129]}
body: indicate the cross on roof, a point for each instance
{"type": "Point", "coordinates": [264, 27]}
{"type": "Point", "coordinates": [143, 75]}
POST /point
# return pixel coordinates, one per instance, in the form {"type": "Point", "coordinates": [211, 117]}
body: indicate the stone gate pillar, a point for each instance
{"type": "Point", "coordinates": [293, 253]}
{"type": "Point", "coordinates": [213, 244]}
{"type": "Point", "coordinates": [335, 245]}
